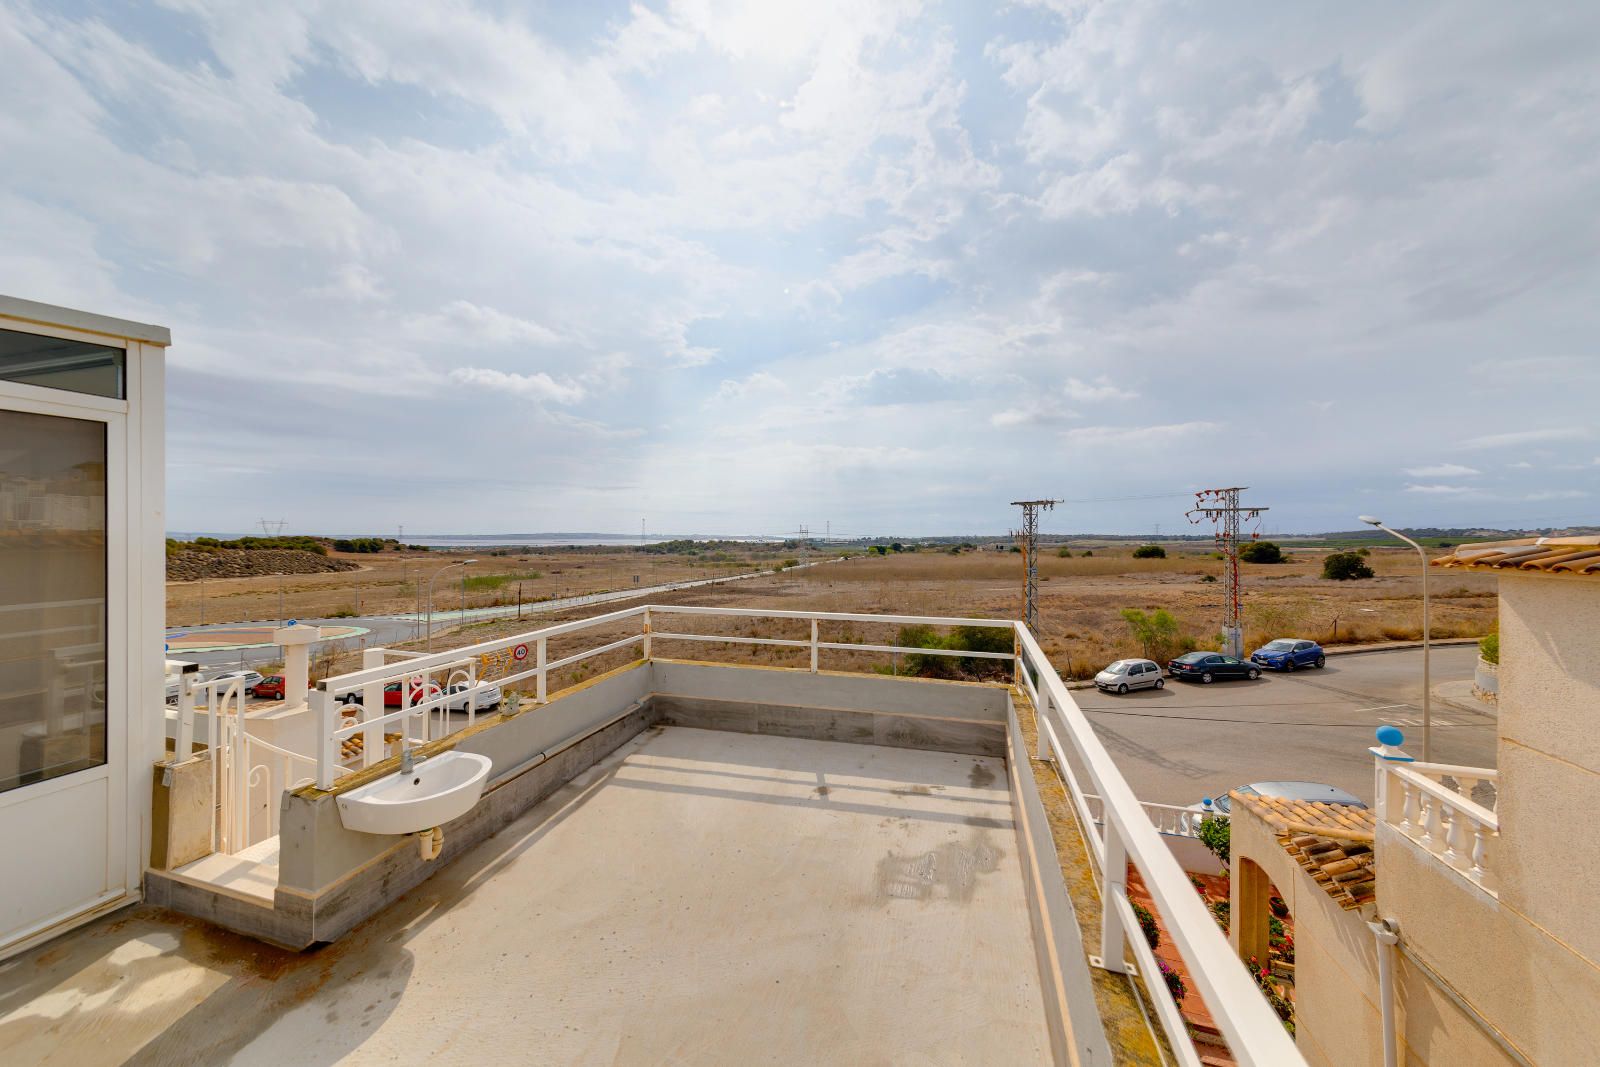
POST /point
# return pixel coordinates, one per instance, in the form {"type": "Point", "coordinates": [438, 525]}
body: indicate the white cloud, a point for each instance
{"type": "Point", "coordinates": [1441, 490]}
{"type": "Point", "coordinates": [1145, 436]}
{"type": "Point", "coordinates": [745, 389]}
{"type": "Point", "coordinates": [1442, 470]}
{"type": "Point", "coordinates": [1100, 389]}
{"type": "Point", "coordinates": [538, 386]}
{"type": "Point", "coordinates": [462, 320]}
{"type": "Point", "coordinates": [1557, 494]}
{"type": "Point", "coordinates": [1528, 437]}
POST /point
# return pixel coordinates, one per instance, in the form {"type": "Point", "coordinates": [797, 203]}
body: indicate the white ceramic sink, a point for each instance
{"type": "Point", "coordinates": [438, 789]}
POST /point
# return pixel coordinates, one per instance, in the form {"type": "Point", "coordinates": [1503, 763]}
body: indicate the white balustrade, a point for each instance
{"type": "Point", "coordinates": [1432, 804]}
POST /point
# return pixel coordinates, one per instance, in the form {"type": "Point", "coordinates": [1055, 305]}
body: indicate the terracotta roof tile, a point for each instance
{"type": "Point", "coordinates": [1332, 842]}
{"type": "Point", "coordinates": [1579, 554]}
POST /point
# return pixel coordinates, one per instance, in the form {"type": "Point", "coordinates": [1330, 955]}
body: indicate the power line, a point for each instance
{"type": "Point", "coordinates": [1222, 507]}
{"type": "Point", "coordinates": [1028, 540]}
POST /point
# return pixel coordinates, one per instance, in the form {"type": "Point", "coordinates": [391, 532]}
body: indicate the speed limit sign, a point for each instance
{"type": "Point", "coordinates": [520, 653]}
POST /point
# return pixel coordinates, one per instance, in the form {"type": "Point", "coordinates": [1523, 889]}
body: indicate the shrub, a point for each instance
{"type": "Point", "coordinates": [1217, 835]}
{"type": "Point", "coordinates": [1261, 552]}
{"type": "Point", "coordinates": [1149, 552]}
{"type": "Point", "coordinates": [1064, 553]}
{"type": "Point", "coordinates": [1208, 578]}
{"type": "Point", "coordinates": [1088, 552]}
{"type": "Point", "coordinates": [1345, 567]}
{"type": "Point", "coordinates": [1156, 632]}
{"type": "Point", "coordinates": [1147, 924]}
{"type": "Point", "coordinates": [1489, 648]}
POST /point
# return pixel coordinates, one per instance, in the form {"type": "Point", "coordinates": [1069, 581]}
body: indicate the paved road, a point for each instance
{"type": "Point", "coordinates": [1188, 740]}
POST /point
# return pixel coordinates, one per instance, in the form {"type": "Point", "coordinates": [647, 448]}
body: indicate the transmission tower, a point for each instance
{"type": "Point", "coordinates": [1222, 507]}
{"type": "Point", "coordinates": [1028, 541]}
{"type": "Point", "coordinates": [272, 527]}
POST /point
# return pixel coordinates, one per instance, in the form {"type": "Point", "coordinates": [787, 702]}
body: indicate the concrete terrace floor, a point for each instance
{"type": "Point", "coordinates": [697, 897]}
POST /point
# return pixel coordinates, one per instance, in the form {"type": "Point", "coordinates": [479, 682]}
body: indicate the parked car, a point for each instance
{"type": "Point", "coordinates": [1209, 667]}
{"type": "Point", "coordinates": [1328, 794]}
{"type": "Point", "coordinates": [488, 697]}
{"type": "Point", "coordinates": [270, 687]}
{"type": "Point", "coordinates": [251, 680]}
{"type": "Point", "coordinates": [1126, 674]}
{"type": "Point", "coordinates": [1289, 653]}
{"type": "Point", "coordinates": [391, 694]}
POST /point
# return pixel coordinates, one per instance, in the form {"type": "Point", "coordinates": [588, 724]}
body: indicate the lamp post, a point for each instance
{"type": "Point", "coordinates": [441, 570]}
{"type": "Point", "coordinates": [1427, 686]}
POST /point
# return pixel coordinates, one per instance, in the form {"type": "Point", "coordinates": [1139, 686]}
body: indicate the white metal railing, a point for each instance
{"type": "Point", "coordinates": [1172, 820]}
{"type": "Point", "coordinates": [1129, 832]}
{"type": "Point", "coordinates": [1127, 836]}
{"type": "Point", "coordinates": [1420, 801]}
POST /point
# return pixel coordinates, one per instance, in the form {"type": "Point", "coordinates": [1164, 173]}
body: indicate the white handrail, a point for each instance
{"type": "Point", "coordinates": [1253, 1031]}
{"type": "Point", "coordinates": [1451, 826]}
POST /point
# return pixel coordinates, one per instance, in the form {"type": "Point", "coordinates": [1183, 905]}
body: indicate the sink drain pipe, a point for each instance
{"type": "Point", "coordinates": [430, 843]}
{"type": "Point", "coordinates": [1387, 934]}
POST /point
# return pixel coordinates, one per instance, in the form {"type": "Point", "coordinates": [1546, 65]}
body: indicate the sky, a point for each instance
{"type": "Point", "coordinates": [867, 267]}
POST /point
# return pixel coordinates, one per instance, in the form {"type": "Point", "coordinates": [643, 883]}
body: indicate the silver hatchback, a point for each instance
{"type": "Point", "coordinates": [1126, 674]}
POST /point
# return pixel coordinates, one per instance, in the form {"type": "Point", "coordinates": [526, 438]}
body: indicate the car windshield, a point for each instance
{"type": "Point", "coordinates": [1120, 667]}
{"type": "Point", "coordinates": [1279, 646]}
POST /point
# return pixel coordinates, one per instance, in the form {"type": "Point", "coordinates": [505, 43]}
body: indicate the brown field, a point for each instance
{"type": "Point", "coordinates": [1081, 627]}
{"type": "Point", "coordinates": [392, 582]}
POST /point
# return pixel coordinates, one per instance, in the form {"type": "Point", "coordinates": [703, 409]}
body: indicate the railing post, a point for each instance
{"type": "Point", "coordinates": [541, 693]}
{"type": "Point", "coordinates": [647, 631]}
{"type": "Point", "coordinates": [1041, 716]}
{"type": "Point", "coordinates": [813, 646]}
{"type": "Point", "coordinates": [185, 744]}
{"type": "Point", "coordinates": [1113, 886]}
{"type": "Point", "coordinates": [327, 745]}
{"type": "Point", "coordinates": [372, 748]}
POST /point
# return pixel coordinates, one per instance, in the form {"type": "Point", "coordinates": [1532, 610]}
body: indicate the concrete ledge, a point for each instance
{"type": "Point", "coordinates": [831, 724]}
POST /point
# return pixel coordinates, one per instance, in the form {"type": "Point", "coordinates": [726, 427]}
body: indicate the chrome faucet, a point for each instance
{"type": "Point", "coordinates": [408, 762]}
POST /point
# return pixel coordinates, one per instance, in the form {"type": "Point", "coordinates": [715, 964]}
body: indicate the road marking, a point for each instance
{"type": "Point", "coordinates": [1413, 721]}
{"type": "Point", "coordinates": [1381, 707]}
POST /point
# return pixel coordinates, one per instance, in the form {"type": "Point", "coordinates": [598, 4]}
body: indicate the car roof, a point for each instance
{"type": "Point", "coordinates": [1328, 794]}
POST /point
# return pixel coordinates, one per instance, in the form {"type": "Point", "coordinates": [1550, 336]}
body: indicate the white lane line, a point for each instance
{"type": "Point", "coordinates": [1381, 707]}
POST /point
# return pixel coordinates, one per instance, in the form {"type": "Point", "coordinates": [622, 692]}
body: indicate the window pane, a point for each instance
{"type": "Point", "coordinates": [76, 366]}
{"type": "Point", "coordinates": [52, 597]}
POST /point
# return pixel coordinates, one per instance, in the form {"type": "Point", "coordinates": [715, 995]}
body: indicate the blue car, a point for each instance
{"type": "Point", "coordinates": [1288, 654]}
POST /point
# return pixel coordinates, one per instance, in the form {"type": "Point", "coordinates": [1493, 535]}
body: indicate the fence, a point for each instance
{"type": "Point", "coordinates": [1433, 805]}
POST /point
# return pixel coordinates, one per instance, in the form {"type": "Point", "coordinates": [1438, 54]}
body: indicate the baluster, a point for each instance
{"type": "Point", "coordinates": [1405, 807]}
{"type": "Point", "coordinates": [1477, 872]}
{"type": "Point", "coordinates": [1432, 828]}
{"type": "Point", "coordinates": [1455, 837]}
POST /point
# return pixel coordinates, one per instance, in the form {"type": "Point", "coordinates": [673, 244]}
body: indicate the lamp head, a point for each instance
{"type": "Point", "coordinates": [1372, 520]}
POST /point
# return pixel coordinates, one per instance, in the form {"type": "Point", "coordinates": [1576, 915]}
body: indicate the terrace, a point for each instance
{"type": "Point", "coordinates": [670, 858]}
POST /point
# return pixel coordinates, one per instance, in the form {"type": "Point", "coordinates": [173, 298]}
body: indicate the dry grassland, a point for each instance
{"type": "Point", "coordinates": [1081, 600]}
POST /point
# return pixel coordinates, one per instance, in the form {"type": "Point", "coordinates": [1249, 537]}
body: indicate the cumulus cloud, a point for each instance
{"type": "Point", "coordinates": [538, 386]}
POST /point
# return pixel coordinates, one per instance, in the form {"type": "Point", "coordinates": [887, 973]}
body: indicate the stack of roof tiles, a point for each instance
{"type": "Point", "coordinates": [1551, 555]}
{"type": "Point", "coordinates": [1333, 842]}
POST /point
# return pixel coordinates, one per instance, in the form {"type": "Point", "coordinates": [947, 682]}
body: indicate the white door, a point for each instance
{"type": "Point", "coordinates": [64, 670]}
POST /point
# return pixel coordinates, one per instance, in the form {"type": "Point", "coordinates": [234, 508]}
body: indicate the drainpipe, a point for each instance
{"type": "Point", "coordinates": [1387, 933]}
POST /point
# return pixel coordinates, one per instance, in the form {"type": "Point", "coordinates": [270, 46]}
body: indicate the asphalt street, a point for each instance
{"type": "Point", "coordinates": [1186, 741]}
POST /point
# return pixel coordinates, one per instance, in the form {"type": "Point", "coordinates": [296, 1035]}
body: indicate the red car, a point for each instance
{"type": "Point", "coordinates": [270, 688]}
{"type": "Point", "coordinates": [391, 694]}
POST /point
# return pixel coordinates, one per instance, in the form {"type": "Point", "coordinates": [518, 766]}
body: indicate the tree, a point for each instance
{"type": "Point", "coordinates": [1217, 835]}
{"type": "Point", "coordinates": [1149, 552]}
{"type": "Point", "coordinates": [1064, 553]}
{"type": "Point", "coordinates": [1157, 632]}
{"type": "Point", "coordinates": [1261, 552]}
{"type": "Point", "coordinates": [1345, 567]}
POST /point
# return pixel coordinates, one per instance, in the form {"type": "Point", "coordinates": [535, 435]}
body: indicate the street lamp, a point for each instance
{"type": "Point", "coordinates": [441, 570]}
{"type": "Point", "coordinates": [1427, 688]}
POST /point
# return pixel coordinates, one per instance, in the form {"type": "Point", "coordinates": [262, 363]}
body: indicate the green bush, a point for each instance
{"type": "Point", "coordinates": [1064, 553]}
{"type": "Point", "coordinates": [1261, 552]}
{"type": "Point", "coordinates": [1149, 552]}
{"type": "Point", "coordinates": [961, 639]}
{"type": "Point", "coordinates": [1217, 835]}
{"type": "Point", "coordinates": [358, 544]}
{"type": "Point", "coordinates": [1489, 648]}
{"type": "Point", "coordinates": [1147, 924]}
{"type": "Point", "coordinates": [1156, 632]}
{"type": "Point", "coordinates": [1345, 567]}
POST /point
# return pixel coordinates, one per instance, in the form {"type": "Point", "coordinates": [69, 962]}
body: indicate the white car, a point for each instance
{"type": "Point", "coordinates": [459, 696]}
{"type": "Point", "coordinates": [1126, 674]}
{"type": "Point", "coordinates": [250, 679]}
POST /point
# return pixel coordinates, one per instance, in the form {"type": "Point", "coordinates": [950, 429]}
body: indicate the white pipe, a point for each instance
{"type": "Point", "coordinates": [430, 843]}
{"type": "Point", "coordinates": [1387, 934]}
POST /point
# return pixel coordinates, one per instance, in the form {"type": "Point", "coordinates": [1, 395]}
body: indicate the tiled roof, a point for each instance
{"type": "Point", "coordinates": [1553, 555]}
{"type": "Point", "coordinates": [1333, 842]}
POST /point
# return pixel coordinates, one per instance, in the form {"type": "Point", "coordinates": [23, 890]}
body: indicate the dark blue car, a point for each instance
{"type": "Point", "coordinates": [1289, 653]}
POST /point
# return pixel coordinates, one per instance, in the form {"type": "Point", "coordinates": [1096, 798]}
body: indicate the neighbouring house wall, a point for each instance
{"type": "Point", "coordinates": [1549, 754]}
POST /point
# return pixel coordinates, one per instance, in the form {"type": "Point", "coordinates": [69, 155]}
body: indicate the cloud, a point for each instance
{"type": "Point", "coordinates": [539, 386]}
{"type": "Point", "coordinates": [1138, 436]}
{"type": "Point", "coordinates": [1557, 494]}
{"type": "Point", "coordinates": [1100, 389]}
{"type": "Point", "coordinates": [744, 389]}
{"type": "Point", "coordinates": [1528, 437]}
{"type": "Point", "coordinates": [1442, 470]}
{"type": "Point", "coordinates": [1441, 490]}
{"type": "Point", "coordinates": [462, 320]}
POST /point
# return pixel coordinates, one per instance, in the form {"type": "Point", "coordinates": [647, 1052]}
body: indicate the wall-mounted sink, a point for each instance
{"type": "Point", "coordinates": [438, 789]}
